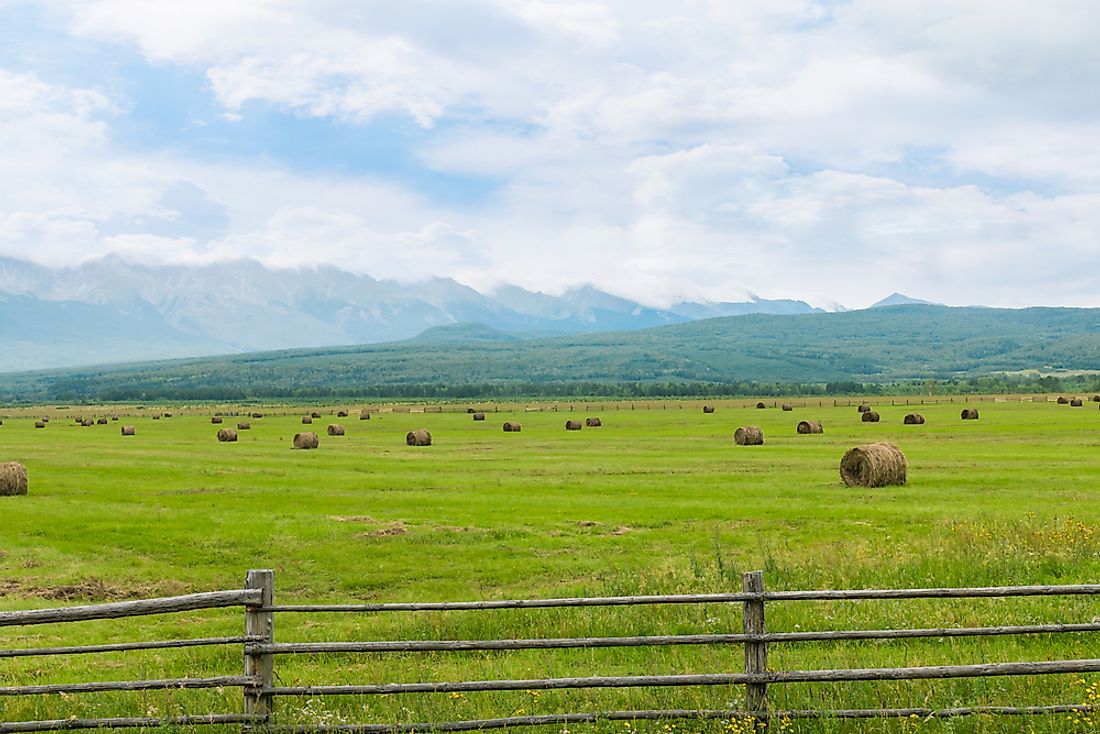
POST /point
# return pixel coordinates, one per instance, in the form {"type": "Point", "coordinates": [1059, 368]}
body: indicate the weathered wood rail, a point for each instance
{"type": "Point", "coordinates": [260, 651]}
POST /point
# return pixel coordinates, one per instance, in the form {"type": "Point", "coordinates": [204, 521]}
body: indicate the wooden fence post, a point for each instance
{"type": "Point", "coordinates": [756, 653]}
{"type": "Point", "coordinates": [260, 624]}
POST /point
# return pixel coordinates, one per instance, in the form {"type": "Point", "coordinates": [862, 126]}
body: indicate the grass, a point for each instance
{"type": "Point", "coordinates": [655, 501]}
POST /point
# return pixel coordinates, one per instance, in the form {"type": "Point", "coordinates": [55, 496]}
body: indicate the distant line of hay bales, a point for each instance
{"type": "Point", "coordinates": [433, 409]}
{"type": "Point", "coordinates": [128, 431]}
{"type": "Point", "coordinates": [306, 440]}
{"type": "Point", "coordinates": [510, 427]}
{"type": "Point", "coordinates": [870, 417]}
{"type": "Point", "coordinates": [913, 419]}
{"type": "Point", "coordinates": [572, 425]}
{"type": "Point", "coordinates": [335, 429]}
{"type": "Point", "coordinates": [873, 465]}
{"type": "Point", "coordinates": [809, 427]}
{"type": "Point", "coordinates": [969, 414]}
{"type": "Point", "coordinates": [244, 426]}
{"type": "Point", "coordinates": [593, 422]}
{"type": "Point", "coordinates": [227, 435]}
{"type": "Point", "coordinates": [748, 436]}
{"type": "Point", "coordinates": [419, 437]}
{"type": "Point", "coordinates": [864, 408]}
{"type": "Point", "coordinates": [479, 416]}
{"type": "Point", "coordinates": [708, 408]}
{"type": "Point", "coordinates": [13, 479]}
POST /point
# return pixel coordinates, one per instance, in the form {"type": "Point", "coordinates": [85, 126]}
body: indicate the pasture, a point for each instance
{"type": "Point", "coordinates": [655, 500]}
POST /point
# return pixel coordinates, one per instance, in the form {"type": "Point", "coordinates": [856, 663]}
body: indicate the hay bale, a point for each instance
{"type": "Point", "coordinates": [1063, 400]}
{"type": "Point", "coordinates": [864, 408]}
{"type": "Point", "coordinates": [156, 417]}
{"type": "Point", "coordinates": [760, 406]}
{"type": "Point", "coordinates": [306, 420]}
{"type": "Point", "coordinates": [809, 427]}
{"type": "Point", "coordinates": [114, 417]}
{"type": "Point", "coordinates": [593, 422]}
{"type": "Point", "coordinates": [227, 435]}
{"type": "Point", "coordinates": [40, 424]}
{"type": "Point", "coordinates": [970, 414]}
{"type": "Point", "coordinates": [364, 416]}
{"type": "Point", "coordinates": [244, 426]}
{"type": "Point", "coordinates": [341, 414]}
{"type": "Point", "coordinates": [470, 411]}
{"type": "Point", "coordinates": [708, 408]}
{"type": "Point", "coordinates": [101, 421]}
{"type": "Point", "coordinates": [87, 422]}
{"type": "Point", "coordinates": [479, 416]}
{"type": "Point", "coordinates": [870, 417]}
{"type": "Point", "coordinates": [13, 479]}
{"type": "Point", "coordinates": [913, 419]}
{"type": "Point", "coordinates": [419, 437]}
{"type": "Point", "coordinates": [128, 431]}
{"type": "Point", "coordinates": [255, 415]}
{"type": "Point", "coordinates": [1096, 398]}
{"type": "Point", "coordinates": [315, 414]}
{"type": "Point", "coordinates": [45, 419]}
{"type": "Point", "coordinates": [335, 429]}
{"type": "Point", "coordinates": [1076, 403]}
{"type": "Point", "coordinates": [748, 436]}
{"type": "Point", "coordinates": [306, 440]}
{"type": "Point", "coordinates": [216, 420]}
{"type": "Point", "coordinates": [873, 465]}
{"type": "Point", "coordinates": [402, 409]}
{"type": "Point", "coordinates": [572, 425]}
{"type": "Point", "coordinates": [510, 427]}
{"type": "Point", "coordinates": [167, 415]}
{"type": "Point", "coordinates": [787, 407]}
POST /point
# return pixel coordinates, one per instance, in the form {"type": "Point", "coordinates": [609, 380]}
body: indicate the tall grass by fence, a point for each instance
{"type": "Point", "coordinates": [260, 690]}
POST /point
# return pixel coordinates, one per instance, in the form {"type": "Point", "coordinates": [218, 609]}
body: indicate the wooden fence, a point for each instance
{"type": "Point", "coordinates": [260, 650]}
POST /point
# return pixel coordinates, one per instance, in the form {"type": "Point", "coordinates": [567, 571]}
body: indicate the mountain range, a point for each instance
{"type": "Point", "coordinates": [111, 311]}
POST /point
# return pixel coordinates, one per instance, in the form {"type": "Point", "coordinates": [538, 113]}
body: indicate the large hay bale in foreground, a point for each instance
{"type": "Point", "coordinates": [335, 429]}
{"type": "Point", "coordinates": [809, 427]}
{"type": "Point", "coordinates": [572, 425]}
{"type": "Point", "coordinates": [419, 437]}
{"type": "Point", "coordinates": [306, 420]}
{"type": "Point", "coordinates": [970, 414]}
{"type": "Point", "coordinates": [479, 416]}
{"type": "Point", "coordinates": [593, 422]}
{"type": "Point", "coordinates": [748, 436]}
{"type": "Point", "coordinates": [1076, 403]}
{"type": "Point", "coordinates": [129, 431]}
{"type": "Point", "coordinates": [864, 408]}
{"type": "Point", "coordinates": [913, 419]}
{"type": "Point", "coordinates": [510, 427]}
{"type": "Point", "coordinates": [870, 417]}
{"type": "Point", "coordinates": [227, 435]}
{"type": "Point", "coordinates": [873, 465]}
{"type": "Point", "coordinates": [306, 440]}
{"type": "Point", "coordinates": [787, 407]}
{"type": "Point", "coordinates": [216, 420]}
{"type": "Point", "coordinates": [708, 408]}
{"type": "Point", "coordinates": [244, 426]}
{"type": "Point", "coordinates": [13, 479]}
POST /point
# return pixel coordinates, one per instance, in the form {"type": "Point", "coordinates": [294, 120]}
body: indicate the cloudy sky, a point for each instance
{"type": "Point", "coordinates": [706, 149]}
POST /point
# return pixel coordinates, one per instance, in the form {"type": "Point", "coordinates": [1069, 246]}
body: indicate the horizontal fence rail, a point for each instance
{"type": "Point", "coordinates": [259, 689]}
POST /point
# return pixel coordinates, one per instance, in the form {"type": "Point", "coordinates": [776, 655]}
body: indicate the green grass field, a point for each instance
{"type": "Point", "coordinates": [657, 500]}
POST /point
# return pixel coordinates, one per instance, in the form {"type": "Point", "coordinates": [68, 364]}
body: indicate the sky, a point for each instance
{"type": "Point", "coordinates": [833, 152]}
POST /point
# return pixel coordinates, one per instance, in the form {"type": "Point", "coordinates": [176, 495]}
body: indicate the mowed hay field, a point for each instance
{"type": "Point", "coordinates": [658, 500]}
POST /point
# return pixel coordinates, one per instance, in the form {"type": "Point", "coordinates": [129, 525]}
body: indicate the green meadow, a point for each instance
{"type": "Point", "coordinates": [656, 500]}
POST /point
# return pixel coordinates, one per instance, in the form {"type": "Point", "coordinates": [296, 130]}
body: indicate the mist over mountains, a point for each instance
{"type": "Point", "coordinates": [110, 310]}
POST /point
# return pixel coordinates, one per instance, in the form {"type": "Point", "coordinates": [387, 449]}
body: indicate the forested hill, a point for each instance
{"type": "Point", "coordinates": [881, 345]}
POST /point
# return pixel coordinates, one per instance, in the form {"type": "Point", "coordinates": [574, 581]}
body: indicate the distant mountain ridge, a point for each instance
{"type": "Point", "coordinates": [110, 310]}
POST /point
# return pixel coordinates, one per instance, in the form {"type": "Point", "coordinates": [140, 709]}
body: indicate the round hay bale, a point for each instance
{"type": "Point", "coordinates": [471, 410]}
{"type": "Point", "coordinates": [511, 427]}
{"type": "Point", "coordinates": [227, 435]}
{"type": "Point", "coordinates": [255, 415]}
{"type": "Point", "coordinates": [787, 407]}
{"type": "Point", "coordinates": [167, 415]}
{"type": "Point", "coordinates": [870, 417]}
{"type": "Point", "coordinates": [364, 416]}
{"type": "Point", "coordinates": [419, 437]}
{"type": "Point", "coordinates": [913, 419]}
{"type": "Point", "coordinates": [335, 429]}
{"type": "Point", "coordinates": [114, 417]}
{"type": "Point", "coordinates": [101, 421]}
{"type": "Point", "coordinates": [40, 424]}
{"type": "Point", "coordinates": [306, 440]}
{"type": "Point", "coordinates": [1096, 398]}
{"type": "Point", "coordinates": [45, 419]}
{"type": "Point", "coordinates": [1076, 403]}
{"type": "Point", "coordinates": [572, 425]}
{"type": "Point", "coordinates": [13, 479]}
{"type": "Point", "coordinates": [760, 406]}
{"type": "Point", "coordinates": [479, 416]}
{"type": "Point", "coordinates": [216, 420]}
{"type": "Point", "coordinates": [306, 420]}
{"type": "Point", "coordinates": [593, 422]}
{"type": "Point", "coordinates": [128, 430]}
{"type": "Point", "coordinates": [1062, 400]}
{"type": "Point", "coordinates": [315, 414]}
{"type": "Point", "coordinates": [341, 414]}
{"type": "Point", "coordinates": [873, 465]}
{"type": "Point", "coordinates": [156, 417]}
{"type": "Point", "coordinates": [864, 408]}
{"type": "Point", "coordinates": [244, 426]}
{"type": "Point", "coordinates": [708, 408]}
{"type": "Point", "coordinates": [87, 422]}
{"type": "Point", "coordinates": [809, 427]}
{"type": "Point", "coordinates": [748, 436]}
{"type": "Point", "coordinates": [970, 414]}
